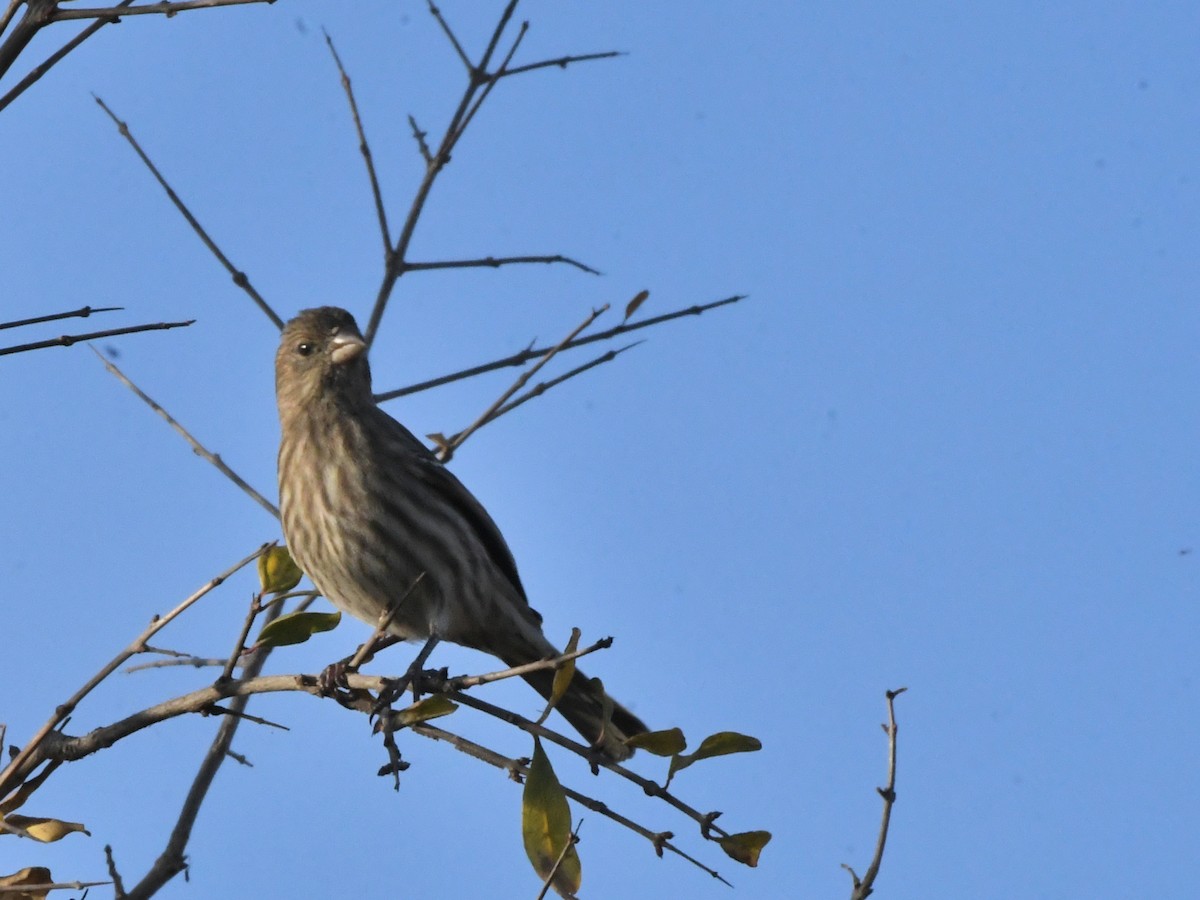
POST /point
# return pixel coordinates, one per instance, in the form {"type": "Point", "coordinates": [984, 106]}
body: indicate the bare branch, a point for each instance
{"type": "Point", "coordinates": [83, 312]}
{"type": "Point", "coordinates": [172, 860]}
{"type": "Point", "coordinates": [495, 262]}
{"type": "Point", "coordinates": [239, 277]}
{"type": "Point", "coordinates": [480, 83]}
{"type": "Point", "coordinates": [199, 449]}
{"type": "Point", "coordinates": [518, 359]}
{"type": "Point", "coordinates": [67, 340]}
{"type": "Point", "coordinates": [562, 62]}
{"type": "Point", "coordinates": [462, 55]}
{"type": "Point", "coordinates": [364, 148]}
{"type": "Point", "coordinates": [19, 765]}
{"type": "Point", "coordinates": [863, 887]}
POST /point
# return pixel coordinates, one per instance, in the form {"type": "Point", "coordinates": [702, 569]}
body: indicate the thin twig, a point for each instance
{"type": "Point", "coordinates": [385, 622]}
{"type": "Point", "coordinates": [16, 767]}
{"type": "Point", "coordinates": [562, 62]}
{"type": "Point", "coordinates": [518, 359]}
{"type": "Point", "coordinates": [863, 887]}
{"type": "Point", "coordinates": [199, 449]}
{"type": "Point", "coordinates": [83, 312]}
{"type": "Point", "coordinates": [462, 54]}
{"type": "Point", "coordinates": [239, 277]}
{"type": "Point", "coordinates": [111, 863]}
{"type": "Point", "coordinates": [572, 840]}
{"type": "Point", "coordinates": [67, 340]}
{"type": "Point", "coordinates": [364, 148]}
{"type": "Point", "coordinates": [461, 682]}
{"type": "Point", "coordinates": [40, 890]}
{"type": "Point", "coordinates": [495, 262]}
{"type": "Point", "coordinates": [240, 646]}
{"type": "Point", "coordinates": [419, 136]}
{"type": "Point", "coordinates": [447, 448]}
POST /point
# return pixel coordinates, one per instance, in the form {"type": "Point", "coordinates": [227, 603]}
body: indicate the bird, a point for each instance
{"type": "Point", "coordinates": [377, 521]}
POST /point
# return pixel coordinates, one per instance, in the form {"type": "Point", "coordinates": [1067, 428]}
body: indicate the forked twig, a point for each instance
{"type": "Point", "coordinates": [447, 448]}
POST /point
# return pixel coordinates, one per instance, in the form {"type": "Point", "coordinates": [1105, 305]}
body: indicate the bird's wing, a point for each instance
{"type": "Point", "coordinates": [455, 493]}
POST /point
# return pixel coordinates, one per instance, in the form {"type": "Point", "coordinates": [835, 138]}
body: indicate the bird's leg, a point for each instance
{"type": "Point", "coordinates": [395, 689]}
{"type": "Point", "coordinates": [333, 676]}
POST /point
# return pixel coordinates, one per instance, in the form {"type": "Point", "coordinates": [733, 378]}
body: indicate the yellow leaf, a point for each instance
{"type": "Point", "coordinates": [660, 743]}
{"type": "Point", "coordinates": [46, 830]}
{"type": "Point", "coordinates": [746, 846]}
{"type": "Point", "coordinates": [720, 744]}
{"type": "Point", "coordinates": [562, 678]}
{"type": "Point", "coordinates": [725, 742]}
{"type": "Point", "coordinates": [296, 628]}
{"type": "Point", "coordinates": [424, 710]}
{"type": "Point", "coordinates": [632, 306]}
{"type": "Point", "coordinates": [27, 876]}
{"type": "Point", "coordinates": [277, 571]}
{"type": "Point", "coordinates": [546, 825]}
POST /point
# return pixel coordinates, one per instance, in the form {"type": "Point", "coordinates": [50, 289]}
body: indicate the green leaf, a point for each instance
{"type": "Point", "coordinates": [546, 825]}
{"type": "Point", "coordinates": [660, 743]}
{"type": "Point", "coordinates": [296, 628]}
{"type": "Point", "coordinates": [746, 846]}
{"type": "Point", "coordinates": [277, 571]}
{"type": "Point", "coordinates": [423, 710]}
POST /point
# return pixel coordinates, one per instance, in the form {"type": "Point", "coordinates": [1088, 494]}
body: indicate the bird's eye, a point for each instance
{"type": "Point", "coordinates": [304, 348]}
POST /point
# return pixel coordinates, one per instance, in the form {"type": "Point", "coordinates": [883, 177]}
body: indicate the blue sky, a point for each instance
{"type": "Point", "coordinates": [948, 442]}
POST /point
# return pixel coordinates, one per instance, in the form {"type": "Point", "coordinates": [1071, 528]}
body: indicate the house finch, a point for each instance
{"type": "Point", "coordinates": [367, 509]}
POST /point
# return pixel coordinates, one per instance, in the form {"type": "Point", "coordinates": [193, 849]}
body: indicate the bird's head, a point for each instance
{"type": "Point", "coordinates": [321, 354]}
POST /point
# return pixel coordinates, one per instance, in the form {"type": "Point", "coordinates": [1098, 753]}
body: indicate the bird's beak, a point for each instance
{"type": "Point", "coordinates": [346, 347]}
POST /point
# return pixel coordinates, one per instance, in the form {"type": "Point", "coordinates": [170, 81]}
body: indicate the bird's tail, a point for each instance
{"type": "Point", "coordinates": [583, 706]}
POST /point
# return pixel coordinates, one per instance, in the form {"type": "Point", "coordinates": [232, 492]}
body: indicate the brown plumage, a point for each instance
{"type": "Point", "coordinates": [367, 508]}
